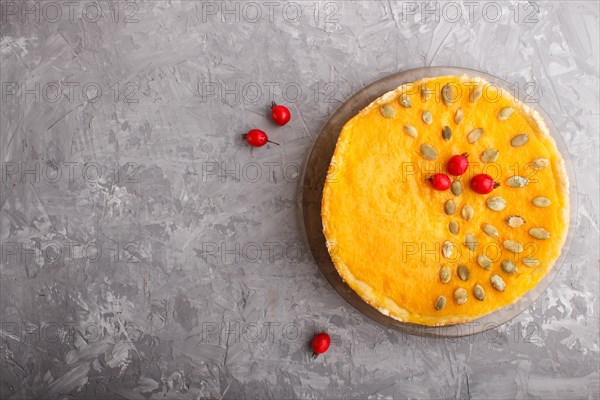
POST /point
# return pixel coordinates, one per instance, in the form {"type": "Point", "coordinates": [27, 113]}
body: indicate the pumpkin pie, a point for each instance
{"type": "Point", "coordinates": [440, 257]}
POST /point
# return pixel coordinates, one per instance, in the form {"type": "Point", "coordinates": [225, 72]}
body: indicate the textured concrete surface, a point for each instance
{"type": "Point", "coordinates": [148, 253]}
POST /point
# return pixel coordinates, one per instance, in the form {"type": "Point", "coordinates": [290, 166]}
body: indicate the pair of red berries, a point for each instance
{"type": "Point", "coordinates": [458, 165]}
{"type": "Point", "coordinates": [280, 115]}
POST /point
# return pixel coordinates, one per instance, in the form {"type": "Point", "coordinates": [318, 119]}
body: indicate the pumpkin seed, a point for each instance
{"type": "Point", "coordinates": [453, 227]}
{"type": "Point", "coordinates": [505, 113]}
{"type": "Point", "coordinates": [531, 262]}
{"type": "Point", "coordinates": [448, 94]}
{"type": "Point", "coordinates": [460, 295]}
{"type": "Point", "coordinates": [484, 262]}
{"type": "Point", "coordinates": [427, 118]}
{"type": "Point", "coordinates": [490, 230]}
{"type": "Point", "coordinates": [489, 155]}
{"type": "Point", "coordinates": [541, 201]}
{"type": "Point", "coordinates": [405, 101]}
{"type": "Point", "coordinates": [447, 249]}
{"type": "Point", "coordinates": [540, 163]}
{"type": "Point", "coordinates": [446, 133]}
{"type": "Point", "coordinates": [459, 115]}
{"type": "Point", "coordinates": [539, 233]}
{"type": "Point", "coordinates": [467, 212]}
{"type": "Point", "coordinates": [463, 273]}
{"type": "Point", "coordinates": [478, 292]}
{"type": "Point", "coordinates": [388, 111]}
{"type": "Point", "coordinates": [440, 303]}
{"type": "Point", "coordinates": [474, 135]}
{"type": "Point", "coordinates": [508, 266]}
{"type": "Point", "coordinates": [471, 241]}
{"type": "Point", "coordinates": [517, 181]}
{"type": "Point", "coordinates": [450, 207]}
{"type": "Point", "coordinates": [456, 188]}
{"type": "Point", "coordinates": [426, 92]}
{"type": "Point", "coordinates": [475, 94]}
{"type": "Point", "coordinates": [519, 140]}
{"type": "Point", "coordinates": [445, 274]}
{"type": "Point", "coordinates": [515, 221]}
{"type": "Point", "coordinates": [411, 131]}
{"type": "Point", "coordinates": [498, 283]}
{"type": "Point", "coordinates": [512, 246]}
{"type": "Point", "coordinates": [496, 203]}
{"type": "Point", "coordinates": [428, 152]}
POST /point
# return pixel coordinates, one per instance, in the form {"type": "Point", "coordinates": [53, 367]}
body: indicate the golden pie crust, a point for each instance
{"type": "Point", "coordinates": [385, 225]}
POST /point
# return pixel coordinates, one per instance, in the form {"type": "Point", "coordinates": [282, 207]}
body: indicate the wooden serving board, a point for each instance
{"type": "Point", "coordinates": [312, 190]}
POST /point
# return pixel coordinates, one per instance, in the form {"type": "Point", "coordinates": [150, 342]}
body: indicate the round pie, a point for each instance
{"type": "Point", "coordinates": [439, 257]}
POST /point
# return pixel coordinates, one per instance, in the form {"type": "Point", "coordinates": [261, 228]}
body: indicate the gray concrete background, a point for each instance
{"type": "Point", "coordinates": [148, 253]}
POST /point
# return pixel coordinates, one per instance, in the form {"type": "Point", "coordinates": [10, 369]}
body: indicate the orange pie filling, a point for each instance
{"type": "Point", "coordinates": [436, 257]}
